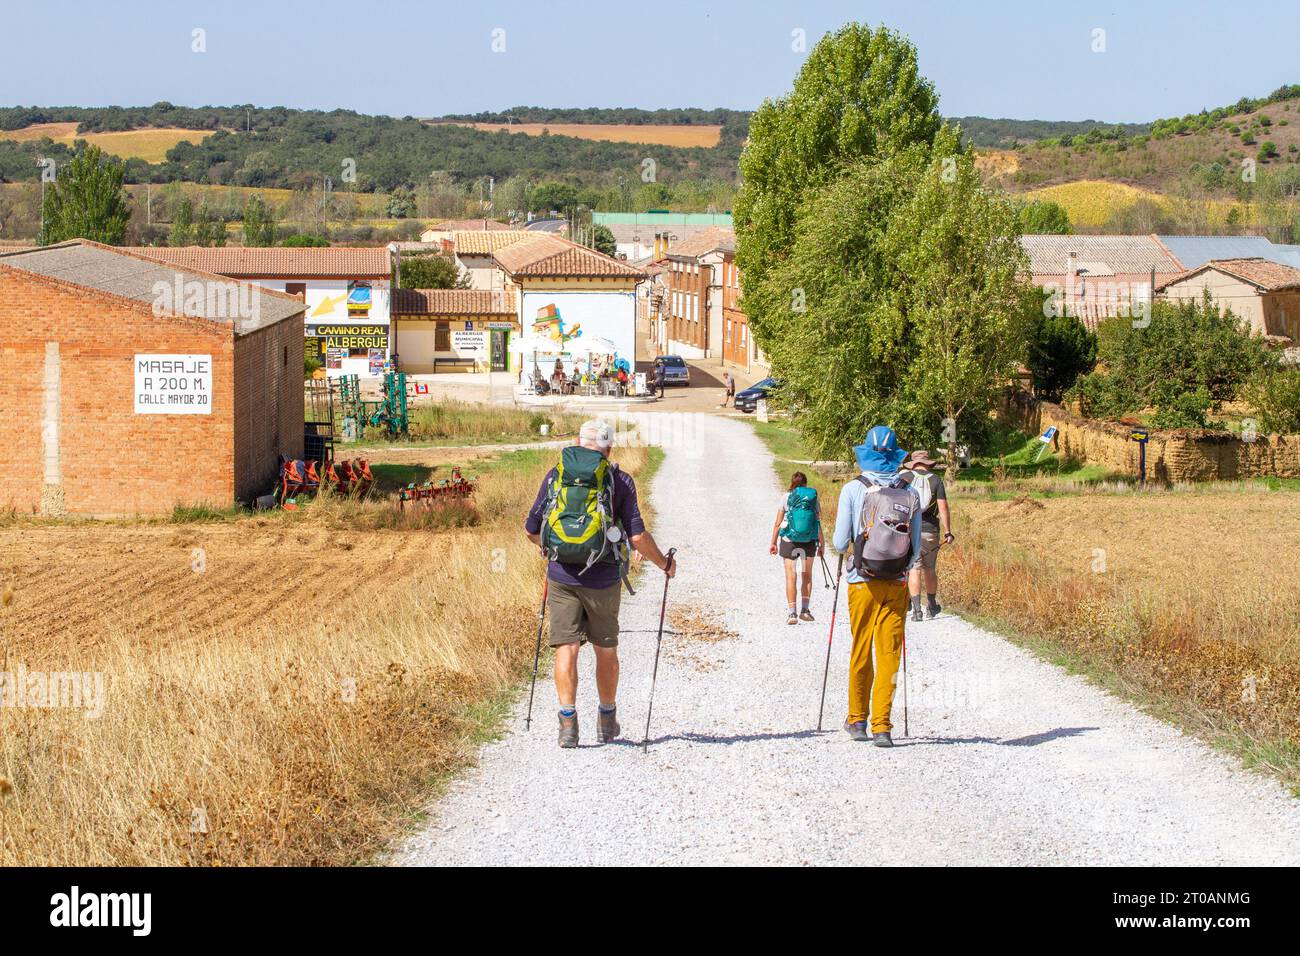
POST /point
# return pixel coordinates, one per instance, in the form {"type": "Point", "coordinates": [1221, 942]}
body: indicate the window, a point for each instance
{"type": "Point", "coordinates": [442, 337]}
{"type": "Point", "coordinates": [286, 356]}
{"type": "Point", "coordinates": [296, 288]}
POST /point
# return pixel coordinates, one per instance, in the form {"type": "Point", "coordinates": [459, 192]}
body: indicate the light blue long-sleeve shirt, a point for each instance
{"type": "Point", "coordinates": [848, 521]}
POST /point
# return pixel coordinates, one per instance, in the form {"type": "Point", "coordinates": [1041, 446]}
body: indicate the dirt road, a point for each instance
{"type": "Point", "coordinates": [1009, 760]}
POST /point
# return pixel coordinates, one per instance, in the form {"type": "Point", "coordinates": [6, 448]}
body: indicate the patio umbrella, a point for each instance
{"type": "Point", "coordinates": [590, 345]}
{"type": "Point", "coordinates": [534, 344]}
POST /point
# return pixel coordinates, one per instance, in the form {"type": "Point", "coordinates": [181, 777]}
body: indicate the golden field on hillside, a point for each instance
{"type": "Point", "coordinates": [151, 145]}
{"type": "Point", "coordinates": [663, 135]}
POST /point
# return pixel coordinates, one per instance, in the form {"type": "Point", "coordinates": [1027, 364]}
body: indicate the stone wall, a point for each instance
{"type": "Point", "coordinates": [1184, 454]}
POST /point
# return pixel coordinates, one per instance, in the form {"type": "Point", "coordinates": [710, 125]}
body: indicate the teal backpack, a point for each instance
{"type": "Point", "coordinates": [800, 515]}
{"type": "Point", "coordinates": [578, 525]}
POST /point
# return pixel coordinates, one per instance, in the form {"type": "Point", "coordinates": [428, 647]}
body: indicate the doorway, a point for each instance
{"type": "Point", "coordinates": [500, 357]}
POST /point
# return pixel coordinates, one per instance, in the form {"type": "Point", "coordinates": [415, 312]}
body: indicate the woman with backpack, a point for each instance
{"type": "Point", "coordinates": [797, 537]}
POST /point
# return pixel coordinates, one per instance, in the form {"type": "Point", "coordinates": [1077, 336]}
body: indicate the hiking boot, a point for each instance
{"type": "Point", "coordinates": [932, 611]}
{"type": "Point", "coordinates": [857, 730]}
{"type": "Point", "coordinates": [568, 731]}
{"type": "Point", "coordinates": [882, 739]}
{"type": "Point", "coordinates": [792, 619]}
{"type": "Point", "coordinates": [607, 726]}
{"type": "Point", "coordinates": [916, 614]}
{"type": "Point", "coordinates": [806, 615]}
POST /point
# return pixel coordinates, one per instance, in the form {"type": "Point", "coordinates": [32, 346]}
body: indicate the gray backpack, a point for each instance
{"type": "Point", "coordinates": [883, 549]}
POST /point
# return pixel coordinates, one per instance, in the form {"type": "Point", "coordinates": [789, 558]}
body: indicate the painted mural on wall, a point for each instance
{"type": "Point", "coordinates": [568, 317]}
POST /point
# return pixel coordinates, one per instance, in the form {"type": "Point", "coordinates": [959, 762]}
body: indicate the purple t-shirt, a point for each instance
{"type": "Point", "coordinates": [626, 514]}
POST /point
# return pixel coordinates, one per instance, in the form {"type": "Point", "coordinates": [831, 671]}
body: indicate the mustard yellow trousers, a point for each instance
{"type": "Point", "coordinates": [877, 612]}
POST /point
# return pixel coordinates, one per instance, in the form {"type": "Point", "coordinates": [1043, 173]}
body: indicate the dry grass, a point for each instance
{"type": "Point", "coordinates": [661, 135]}
{"type": "Point", "coordinates": [297, 702]}
{"type": "Point", "coordinates": [1187, 600]}
{"type": "Point", "coordinates": [151, 145]}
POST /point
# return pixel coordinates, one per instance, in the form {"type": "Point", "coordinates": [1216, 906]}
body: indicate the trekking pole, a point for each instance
{"type": "Point", "coordinates": [659, 640]}
{"type": "Point", "coordinates": [826, 570]}
{"type": "Point", "coordinates": [905, 733]}
{"type": "Point", "coordinates": [839, 570]}
{"type": "Point", "coordinates": [537, 652]}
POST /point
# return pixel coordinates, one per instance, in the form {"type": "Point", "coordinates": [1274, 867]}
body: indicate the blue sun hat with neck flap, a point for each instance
{"type": "Point", "coordinates": [879, 452]}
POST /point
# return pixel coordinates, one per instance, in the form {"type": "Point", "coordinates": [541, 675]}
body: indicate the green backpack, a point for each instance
{"type": "Point", "coordinates": [800, 515]}
{"type": "Point", "coordinates": [578, 525]}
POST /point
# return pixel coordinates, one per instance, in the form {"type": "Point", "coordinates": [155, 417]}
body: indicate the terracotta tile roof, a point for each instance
{"type": "Point", "coordinates": [1265, 275]}
{"type": "Point", "coordinates": [117, 272]}
{"type": "Point", "coordinates": [465, 225]}
{"type": "Point", "coordinates": [1117, 254]}
{"type": "Point", "coordinates": [486, 243]}
{"type": "Point", "coordinates": [277, 262]}
{"type": "Point", "coordinates": [545, 255]}
{"type": "Point", "coordinates": [452, 302]}
{"type": "Point", "coordinates": [709, 239]}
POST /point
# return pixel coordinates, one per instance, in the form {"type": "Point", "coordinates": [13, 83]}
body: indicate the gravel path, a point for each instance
{"type": "Point", "coordinates": [1010, 760]}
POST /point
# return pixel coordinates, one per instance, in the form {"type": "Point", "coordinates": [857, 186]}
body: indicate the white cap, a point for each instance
{"type": "Point", "coordinates": [597, 432]}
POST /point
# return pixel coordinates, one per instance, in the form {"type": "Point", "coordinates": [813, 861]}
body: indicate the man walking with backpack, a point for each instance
{"type": "Point", "coordinates": [584, 518]}
{"type": "Point", "coordinates": [879, 523]}
{"type": "Point", "coordinates": [936, 531]}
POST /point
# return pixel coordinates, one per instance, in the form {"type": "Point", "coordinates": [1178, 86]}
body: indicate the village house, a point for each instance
{"type": "Point", "coordinates": [1095, 277]}
{"type": "Point", "coordinates": [346, 291]}
{"type": "Point", "coordinates": [129, 386]}
{"type": "Point", "coordinates": [565, 292]}
{"type": "Point", "coordinates": [442, 330]}
{"type": "Point", "coordinates": [1264, 294]}
{"type": "Point", "coordinates": [641, 234]}
{"type": "Point", "coordinates": [443, 230]}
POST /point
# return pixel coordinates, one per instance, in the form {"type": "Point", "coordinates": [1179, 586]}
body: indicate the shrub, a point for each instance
{"type": "Point", "coordinates": [1103, 396]}
{"type": "Point", "coordinates": [1060, 349]}
{"type": "Point", "coordinates": [1274, 395]}
{"type": "Point", "coordinates": [1184, 410]}
{"type": "Point", "coordinates": [1267, 150]}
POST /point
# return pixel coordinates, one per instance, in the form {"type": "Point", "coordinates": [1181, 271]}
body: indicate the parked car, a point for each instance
{"type": "Point", "coordinates": [676, 371]}
{"type": "Point", "coordinates": [747, 400]}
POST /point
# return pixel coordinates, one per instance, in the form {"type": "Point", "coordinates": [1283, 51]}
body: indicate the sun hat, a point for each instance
{"type": "Point", "coordinates": [920, 457]}
{"type": "Point", "coordinates": [879, 451]}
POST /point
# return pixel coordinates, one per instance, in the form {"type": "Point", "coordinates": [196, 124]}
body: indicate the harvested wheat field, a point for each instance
{"type": "Point", "coordinates": [1188, 599]}
{"type": "Point", "coordinates": [662, 135]}
{"type": "Point", "coordinates": [283, 688]}
{"type": "Point", "coordinates": [151, 145]}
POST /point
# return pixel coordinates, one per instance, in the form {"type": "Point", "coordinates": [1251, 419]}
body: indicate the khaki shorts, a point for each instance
{"type": "Point", "coordinates": [579, 615]}
{"type": "Point", "coordinates": [930, 543]}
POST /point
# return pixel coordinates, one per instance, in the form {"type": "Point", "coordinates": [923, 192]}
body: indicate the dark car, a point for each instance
{"type": "Point", "coordinates": [747, 400]}
{"type": "Point", "coordinates": [676, 371]}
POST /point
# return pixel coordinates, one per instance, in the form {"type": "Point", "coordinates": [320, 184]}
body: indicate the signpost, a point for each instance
{"type": "Point", "coordinates": [1046, 438]}
{"type": "Point", "coordinates": [1140, 435]}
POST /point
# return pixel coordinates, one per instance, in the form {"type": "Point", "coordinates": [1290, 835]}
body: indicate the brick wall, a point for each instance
{"type": "Point", "coordinates": [687, 283]}
{"type": "Point", "coordinates": [109, 459]}
{"type": "Point", "coordinates": [268, 404]}
{"type": "Point", "coordinates": [1184, 454]}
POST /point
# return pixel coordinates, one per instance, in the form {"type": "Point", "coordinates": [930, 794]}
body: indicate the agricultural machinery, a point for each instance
{"type": "Point", "coordinates": [299, 476]}
{"type": "Point", "coordinates": [389, 412]}
{"type": "Point", "coordinates": [433, 492]}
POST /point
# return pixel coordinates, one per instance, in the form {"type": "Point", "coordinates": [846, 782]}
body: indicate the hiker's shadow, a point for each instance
{"type": "Point", "coordinates": [1033, 740]}
{"type": "Point", "coordinates": [725, 740]}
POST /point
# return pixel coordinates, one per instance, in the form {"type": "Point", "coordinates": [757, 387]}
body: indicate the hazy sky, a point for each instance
{"type": "Point", "coordinates": [1029, 60]}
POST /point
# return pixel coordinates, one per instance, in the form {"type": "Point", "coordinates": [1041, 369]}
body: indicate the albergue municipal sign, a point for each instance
{"type": "Point", "coordinates": [173, 384]}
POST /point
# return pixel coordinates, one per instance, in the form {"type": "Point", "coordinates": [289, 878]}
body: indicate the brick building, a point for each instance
{"type": "Point", "coordinates": [128, 386]}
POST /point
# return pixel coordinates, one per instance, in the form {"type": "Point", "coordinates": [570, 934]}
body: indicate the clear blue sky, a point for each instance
{"type": "Point", "coordinates": [1028, 60]}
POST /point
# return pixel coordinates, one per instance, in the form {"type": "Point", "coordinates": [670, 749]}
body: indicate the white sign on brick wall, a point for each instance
{"type": "Point", "coordinates": [173, 384]}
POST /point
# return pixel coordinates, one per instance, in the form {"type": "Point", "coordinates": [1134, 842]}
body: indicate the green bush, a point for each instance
{"type": "Point", "coordinates": [1103, 396]}
{"type": "Point", "coordinates": [1274, 395]}
{"type": "Point", "coordinates": [1184, 410]}
{"type": "Point", "coordinates": [1061, 348]}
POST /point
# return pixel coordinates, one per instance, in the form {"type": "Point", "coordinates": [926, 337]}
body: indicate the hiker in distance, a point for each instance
{"type": "Point", "coordinates": [729, 393]}
{"type": "Point", "coordinates": [797, 537]}
{"type": "Point", "coordinates": [879, 523]}
{"type": "Point", "coordinates": [936, 531]}
{"type": "Point", "coordinates": [584, 518]}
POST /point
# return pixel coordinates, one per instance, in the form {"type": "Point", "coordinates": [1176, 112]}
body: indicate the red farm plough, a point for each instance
{"type": "Point", "coordinates": [299, 476]}
{"type": "Point", "coordinates": [434, 492]}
